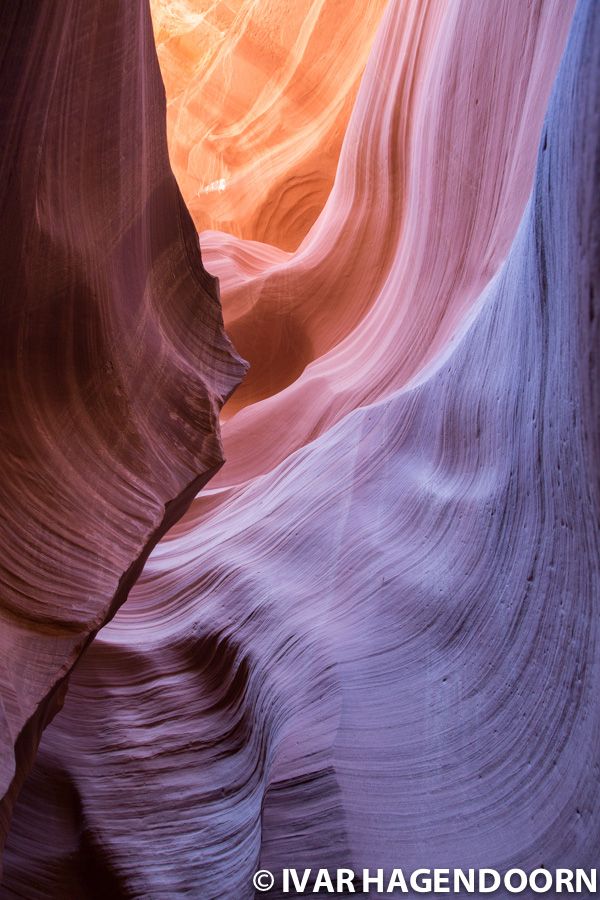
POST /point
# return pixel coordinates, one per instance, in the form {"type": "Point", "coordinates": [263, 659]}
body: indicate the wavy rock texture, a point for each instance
{"type": "Point", "coordinates": [385, 650]}
{"type": "Point", "coordinates": [113, 360]}
{"type": "Point", "coordinates": [259, 94]}
{"type": "Point", "coordinates": [434, 175]}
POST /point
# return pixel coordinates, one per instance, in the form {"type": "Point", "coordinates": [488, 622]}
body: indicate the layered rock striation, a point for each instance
{"type": "Point", "coordinates": [259, 96]}
{"type": "Point", "coordinates": [113, 359]}
{"type": "Point", "coordinates": [434, 175]}
{"type": "Point", "coordinates": [384, 650]}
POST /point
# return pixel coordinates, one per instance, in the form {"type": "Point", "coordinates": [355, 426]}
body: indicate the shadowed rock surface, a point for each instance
{"type": "Point", "coordinates": [113, 359]}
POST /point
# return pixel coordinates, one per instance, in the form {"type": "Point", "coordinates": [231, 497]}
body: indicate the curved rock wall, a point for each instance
{"type": "Point", "coordinates": [113, 359]}
{"type": "Point", "coordinates": [434, 175]}
{"type": "Point", "coordinates": [259, 93]}
{"type": "Point", "coordinates": [380, 646]}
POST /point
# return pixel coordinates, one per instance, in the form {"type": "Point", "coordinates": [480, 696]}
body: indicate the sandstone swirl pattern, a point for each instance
{"type": "Point", "coordinates": [434, 174]}
{"type": "Point", "coordinates": [113, 361]}
{"type": "Point", "coordinates": [260, 92]}
{"type": "Point", "coordinates": [382, 649]}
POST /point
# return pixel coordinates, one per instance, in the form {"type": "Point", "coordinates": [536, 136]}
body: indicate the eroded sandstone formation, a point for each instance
{"type": "Point", "coordinates": [260, 92]}
{"type": "Point", "coordinates": [433, 178]}
{"type": "Point", "coordinates": [384, 647]}
{"type": "Point", "coordinates": [113, 359]}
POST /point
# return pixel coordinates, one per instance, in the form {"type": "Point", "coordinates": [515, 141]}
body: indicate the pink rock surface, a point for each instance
{"type": "Point", "coordinates": [113, 360]}
{"type": "Point", "coordinates": [383, 650]}
{"type": "Point", "coordinates": [433, 178]}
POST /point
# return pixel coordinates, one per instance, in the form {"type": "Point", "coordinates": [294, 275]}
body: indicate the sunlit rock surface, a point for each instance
{"type": "Point", "coordinates": [113, 361]}
{"type": "Point", "coordinates": [259, 95]}
{"type": "Point", "coordinates": [416, 225]}
{"type": "Point", "coordinates": [384, 649]}
{"type": "Point", "coordinates": [434, 175]}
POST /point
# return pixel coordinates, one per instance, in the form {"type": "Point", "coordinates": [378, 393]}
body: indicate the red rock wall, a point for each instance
{"type": "Point", "coordinates": [113, 359]}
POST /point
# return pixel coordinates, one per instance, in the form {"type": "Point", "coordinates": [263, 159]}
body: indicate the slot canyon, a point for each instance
{"type": "Point", "coordinates": [300, 558]}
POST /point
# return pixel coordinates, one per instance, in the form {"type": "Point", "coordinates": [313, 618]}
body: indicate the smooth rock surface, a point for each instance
{"type": "Point", "coordinates": [434, 175]}
{"type": "Point", "coordinates": [384, 650]}
{"type": "Point", "coordinates": [259, 95]}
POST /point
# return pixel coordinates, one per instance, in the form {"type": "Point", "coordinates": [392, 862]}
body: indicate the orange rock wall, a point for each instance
{"type": "Point", "coordinates": [259, 96]}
